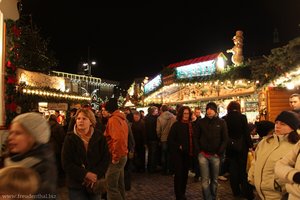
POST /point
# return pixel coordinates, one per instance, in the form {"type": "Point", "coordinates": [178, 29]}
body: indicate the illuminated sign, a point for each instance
{"type": "Point", "coordinates": [153, 84]}
{"type": "Point", "coordinates": [195, 70]}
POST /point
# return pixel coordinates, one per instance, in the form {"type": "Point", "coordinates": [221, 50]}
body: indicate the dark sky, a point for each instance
{"type": "Point", "coordinates": [132, 42]}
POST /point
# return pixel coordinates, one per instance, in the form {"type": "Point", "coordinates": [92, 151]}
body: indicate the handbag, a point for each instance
{"type": "Point", "coordinates": [100, 187]}
{"type": "Point", "coordinates": [235, 144]}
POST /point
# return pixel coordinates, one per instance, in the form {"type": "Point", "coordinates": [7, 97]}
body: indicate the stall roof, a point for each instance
{"type": "Point", "coordinates": [196, 60]}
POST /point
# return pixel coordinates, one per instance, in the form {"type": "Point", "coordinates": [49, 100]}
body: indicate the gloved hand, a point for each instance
{"type": "Point", "coordinates": [296, 178]}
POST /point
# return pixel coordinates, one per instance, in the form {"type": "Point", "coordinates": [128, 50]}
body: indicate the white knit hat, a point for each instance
{"type": "Point", "coordinates": [36, 125]}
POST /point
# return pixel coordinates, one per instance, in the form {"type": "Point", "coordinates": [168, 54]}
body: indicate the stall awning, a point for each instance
{"type": "Point", "coordinates": [196, 60]}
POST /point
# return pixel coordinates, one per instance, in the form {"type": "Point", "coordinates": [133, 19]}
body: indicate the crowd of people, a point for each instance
{"type": "Point", "coordinates": [109, 144]}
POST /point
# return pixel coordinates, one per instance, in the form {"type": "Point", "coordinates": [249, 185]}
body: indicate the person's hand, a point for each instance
{"type": "Point", "coordinates": [115, 161]}
{"type": "Point", "coordinates": [90, 177]}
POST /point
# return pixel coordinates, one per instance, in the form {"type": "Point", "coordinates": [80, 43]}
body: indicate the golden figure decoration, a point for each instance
{"type": "Point", "coordinates": [237, 50]}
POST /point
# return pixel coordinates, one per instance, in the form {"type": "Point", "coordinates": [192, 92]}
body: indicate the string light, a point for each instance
{"type": "Point", "coordinates": [45, 93]}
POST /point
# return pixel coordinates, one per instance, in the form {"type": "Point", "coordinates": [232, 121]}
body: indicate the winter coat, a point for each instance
{"type": "Point", "coordinates": [164, 123]}
{"type": "Point", "coordinates": [42, 160]}
{"type": "Point", "coordinates": [76, 161]}
{"type": "Point", "coordinates": [131, 142]}
{"type": "Point", "coordinates": [57, 136]}
{"type": "Point", "coordinates": [139, 133]}
{"type": "Point", "coordinates": [210, 136]}
{"type": "Point", "coordinates": [150, 123]}
{"type": "Point", "coordinates": [179, 136]}
{"type": "Point", "coordinates": [286, 168]}
{"type": "Point", "coordinates": [116, 134]}
{"type": "Point", "coordinates": [237, 126]}
{"type": "Point", "coordinates": [261, 173]}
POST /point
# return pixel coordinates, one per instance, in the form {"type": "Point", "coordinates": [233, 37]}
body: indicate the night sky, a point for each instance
{"type": "Point", "coordinates": [133, 42]}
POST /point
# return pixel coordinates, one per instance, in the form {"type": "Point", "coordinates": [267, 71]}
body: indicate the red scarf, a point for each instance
{"type": "Point", "coordinates": [190, 136]}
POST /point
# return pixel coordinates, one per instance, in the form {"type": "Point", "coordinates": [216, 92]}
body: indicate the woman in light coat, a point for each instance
{"type": "Point", "coordinates": [287, 170]}
{"type": "Point", "coordinates": [268, 151]}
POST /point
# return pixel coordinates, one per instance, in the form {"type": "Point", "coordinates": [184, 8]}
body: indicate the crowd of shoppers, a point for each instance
{"type": "Point", "coordinates": [110, 143]}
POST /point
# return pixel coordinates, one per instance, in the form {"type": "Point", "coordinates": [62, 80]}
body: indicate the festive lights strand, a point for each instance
{"type": "Point", "coordinates": [53, 94]}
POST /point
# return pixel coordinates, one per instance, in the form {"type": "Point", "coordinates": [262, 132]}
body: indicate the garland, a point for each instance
{"type": "Point", "coordinates": [231, 73]}
{"type": "Point", "coordinates": [13, 33]}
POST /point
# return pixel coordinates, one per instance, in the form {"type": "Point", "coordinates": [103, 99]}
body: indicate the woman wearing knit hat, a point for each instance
{"type": "Point", "coordinates": [268, 151]}
{"type": "Point", "coordinates": [28, 147]}
{"type": "Point", "coordinates": [85, 156]}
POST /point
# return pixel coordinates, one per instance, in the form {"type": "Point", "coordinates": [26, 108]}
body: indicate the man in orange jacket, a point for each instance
{"type": "Point", "coordinates": [116, 133]}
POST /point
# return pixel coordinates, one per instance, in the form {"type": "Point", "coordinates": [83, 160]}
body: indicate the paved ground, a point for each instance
{"type": "Point", "coordinates": [160, 187]}
{"type": "Point", "coordinates": [152, 187]}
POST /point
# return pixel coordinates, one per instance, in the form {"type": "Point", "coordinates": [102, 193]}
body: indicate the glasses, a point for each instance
{"type": "Point", "coordinates": [186, 113]}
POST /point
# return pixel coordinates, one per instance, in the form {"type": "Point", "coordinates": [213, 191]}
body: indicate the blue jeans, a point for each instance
{"type": "Point", "coordinates": [115, 180]}
{"type": "Point", "coordinates": [209, 170]}
{"type": "Point", "coordinates": [82, 194]}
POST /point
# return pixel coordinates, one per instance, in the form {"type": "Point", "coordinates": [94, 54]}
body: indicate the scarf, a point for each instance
{"type": "Point", "coordinates": [85, 137]}
{"type": "Point", "coordinates": [190, 135]}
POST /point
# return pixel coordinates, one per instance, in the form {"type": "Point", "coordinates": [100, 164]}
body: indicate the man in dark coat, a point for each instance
{"type": "Point", "coordinates": [56, 140]}
{"type": "Point", "coordinates": [210, 140]}
{"type": "Point", "coordinates": [152, 139]}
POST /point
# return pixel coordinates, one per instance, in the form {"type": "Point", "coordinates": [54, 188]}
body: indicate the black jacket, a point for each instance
{"type": "Point", "coordinates": [77, 162]}
{"type": "Point", "coordinates": [57, 136]}
{"type": "Point", "coordinates": [179, 136]}
{"type": "Point", "coordinates": [211, 136]}
{"type": "Point", "coordinates": [150, 123]}
{"type": "Point", "coordinates": [237, 125]}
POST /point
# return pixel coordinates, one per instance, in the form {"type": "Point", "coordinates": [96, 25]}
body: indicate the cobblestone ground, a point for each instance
{"type": "Point", "coordinates": [156, 186]}
{"type": "Point", "coordinates": [160, 187]}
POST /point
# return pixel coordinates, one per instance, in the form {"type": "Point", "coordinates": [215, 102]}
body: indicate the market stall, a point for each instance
{"type": "Point", "coordinates": [197, 81]}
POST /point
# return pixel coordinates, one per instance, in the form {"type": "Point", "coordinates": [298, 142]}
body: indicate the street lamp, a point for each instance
{"type": "Point", "coordinates": [88, 67]}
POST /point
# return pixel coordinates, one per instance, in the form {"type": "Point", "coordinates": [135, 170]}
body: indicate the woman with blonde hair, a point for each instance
{"type": "Point", "coordinates": [18, 183]}
{"type": "Point", "coordinates": [85, 156]}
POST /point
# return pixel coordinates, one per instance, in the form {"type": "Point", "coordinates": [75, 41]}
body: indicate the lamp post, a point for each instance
{"type": "Point", "coordinates": [88, 67]}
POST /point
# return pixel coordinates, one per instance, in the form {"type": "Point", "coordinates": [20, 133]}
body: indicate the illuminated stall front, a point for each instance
{"type": "Point", "coordinates": [197, 81]}
{"type": "Point", "coordinates": [98, 89]}
{"type": "Point", "coordinates": [44, 93]}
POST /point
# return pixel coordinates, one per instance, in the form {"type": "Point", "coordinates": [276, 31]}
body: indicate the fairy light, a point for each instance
{"type": "Point", "coordinates": [54, 94]}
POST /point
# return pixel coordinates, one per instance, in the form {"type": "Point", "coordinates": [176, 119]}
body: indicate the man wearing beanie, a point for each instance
{"type": "Point", "coordinates": [268, 151]}
{"type": "Point", "coordinates": [210, 141]}
{"type": "Point", "coordinates": [116, 134]}
{"type": "Point", "coordinates": [28, 147]}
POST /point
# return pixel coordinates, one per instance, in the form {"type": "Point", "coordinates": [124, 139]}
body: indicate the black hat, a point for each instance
{"type": "Point", "coordinates": [111, 105]}
{"type": "Point", "coordinates": [264, 127]}
{"type": "Point", "coordinates": [212, 105]}
{"type": "Point", "coordinates": [290, 118]}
